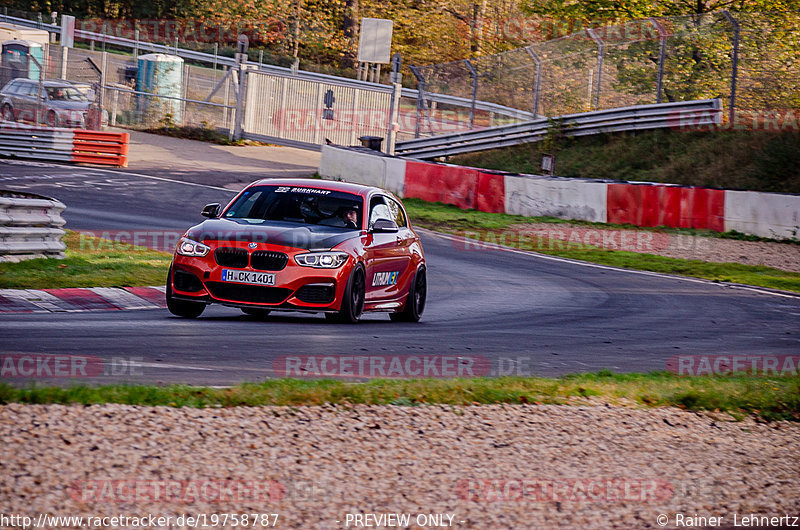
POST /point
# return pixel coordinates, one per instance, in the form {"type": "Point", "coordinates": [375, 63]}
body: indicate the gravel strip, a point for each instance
{"type": "Point", "coordinates": [585, 467]}
{"type": "Point", "coordinates": [783, 256]}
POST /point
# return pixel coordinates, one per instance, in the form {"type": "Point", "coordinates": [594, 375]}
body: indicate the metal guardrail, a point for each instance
{"type": "Point", "coordinates": [700, 113]}
{"type": "Point", "coordinates": [275, 70]}
{"type": "Point", "coordinates": [29, 141]}
{"type": "Point", "coordinates": [30, 226]}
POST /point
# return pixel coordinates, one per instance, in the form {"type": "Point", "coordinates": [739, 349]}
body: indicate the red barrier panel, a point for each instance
{"type": "Point", "coordinates": [95, 147]}
{"type": "Point", "coordinates": [622, 204]}
{"type": "Point", "coordinates": [658, 205]}
{"type": "Point", "coordinates": [440, 183]}
{"type": "Point", "coordinates": [706, 209]}
{"type": "Point", "coordinates": [491, 196]}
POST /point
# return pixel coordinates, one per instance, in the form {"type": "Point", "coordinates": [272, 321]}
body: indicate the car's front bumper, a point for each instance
{"type": "Point", "coordinates": [295, 287]}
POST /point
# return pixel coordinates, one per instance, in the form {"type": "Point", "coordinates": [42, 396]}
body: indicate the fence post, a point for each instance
{"type": "Point", "coordinates": [396, 79]}
{"type": "Point", "coordinates": [735, 63]}
{"type": "Point", "coordinates": [136, 45]}
{"type": "Point", "coordinates": [241, 93]}
{"type": "Point", "coordinates": [537, 85]}
{"type": "Point", "coordinates": [420, 98]}
{"type": "Point", "coordinates": [662, 55]}
{"type": "Point", "coordinates": [64, 59]}
{"type": "Point", "coordinates": [102, 89]}
{"type": "Point", "coordinates": [474, 75]}
{"type": "Point", "coordinates": [601, 50]}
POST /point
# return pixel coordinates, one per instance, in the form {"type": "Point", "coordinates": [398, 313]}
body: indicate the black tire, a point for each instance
{"type": "Point", "coordinates": [8, 114]}
{"type": "Point", "coordinates": [415, 303]}
{"type": "Point", "coordinates": [182, 308]}
{"type": "Point", "coordinates": [51, 120]}
{"type": "Point", "coordinates": [256, 312]}
{"type": "Point", "coordinates": [353, 303]}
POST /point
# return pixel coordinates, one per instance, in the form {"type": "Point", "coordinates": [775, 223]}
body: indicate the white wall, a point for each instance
{"type": "Point", "coordinates": [763, 214]}
{"type": "Point", "coordinates": [564, 198]}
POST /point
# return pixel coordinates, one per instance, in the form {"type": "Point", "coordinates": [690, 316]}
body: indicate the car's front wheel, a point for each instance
{"type": "Point", "coordinates": [415, 303]}
{"type": "Point", "coordinates": [353, 302]}
{"type": "Point", "coordinates": [182, 308]}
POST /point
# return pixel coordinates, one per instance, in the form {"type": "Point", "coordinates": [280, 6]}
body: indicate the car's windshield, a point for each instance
{"type": "Point", "coordinates": [295, 204]}
{"type": "Point", "coordinates": [64, 93]}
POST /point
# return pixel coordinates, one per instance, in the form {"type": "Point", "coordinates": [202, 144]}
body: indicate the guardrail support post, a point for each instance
{"type": "Point", "coordinates": [734, 65]}
{"type": "Point", "coordinates": [537, 85]}
{"type": "Point", "coordinates": [601, 50]}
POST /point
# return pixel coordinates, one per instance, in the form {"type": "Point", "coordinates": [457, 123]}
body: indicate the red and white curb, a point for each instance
{"type": "Point", "coordinates": [70, 300]}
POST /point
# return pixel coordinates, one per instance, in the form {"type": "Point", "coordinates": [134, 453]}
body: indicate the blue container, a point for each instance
{"type": "Point", "coordinates": [161, 75]}
{"type": "Point", "coordinates": [16, 60]}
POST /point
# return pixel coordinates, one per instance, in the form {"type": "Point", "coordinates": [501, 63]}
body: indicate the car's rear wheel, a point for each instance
{"type": "Point", "coordinates": [415, 303]}
{"type": "Point", "coordinates": [182, 308]}
{"type": "Point", "coordinates": [256, 312]}
{"type": "Point", "coordinates": [8, 114]}
{"type": "Point", "coordinates": [353, 302]}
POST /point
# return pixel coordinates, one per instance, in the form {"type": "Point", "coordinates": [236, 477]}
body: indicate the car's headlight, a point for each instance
{"type": "Point", "coordinates": [321, 260]}
{"type": "Point", "coordinates": [187, 247]}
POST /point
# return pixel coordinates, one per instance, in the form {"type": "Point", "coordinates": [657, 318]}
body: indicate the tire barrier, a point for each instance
{"type": "Point", "coordinates": [64, 145]}
{"type": "Point", "coordinates": [773, 215]}
{"type": "Point", "coordinates": [30, 226]}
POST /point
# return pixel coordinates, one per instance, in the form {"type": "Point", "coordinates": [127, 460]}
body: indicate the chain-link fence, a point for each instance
{"type": "Point", "coordinates": [130, 105]}
{"type": "Point", "coordinates": [750, 60]}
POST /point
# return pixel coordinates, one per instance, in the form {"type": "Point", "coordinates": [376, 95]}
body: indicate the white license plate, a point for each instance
{"type": "Point", "coordinates": [255, 278]}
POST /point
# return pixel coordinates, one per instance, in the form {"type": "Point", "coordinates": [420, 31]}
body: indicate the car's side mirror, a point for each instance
{"type": "Point", "coordinates": [211, 210]}
{"type": "Point", "coordinates": [383, 226]}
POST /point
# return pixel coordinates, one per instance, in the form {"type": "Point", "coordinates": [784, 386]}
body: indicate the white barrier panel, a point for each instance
{"type": "Point", "coordinates": [771, 215]}
{"type": "Point", "coordinates": [367, 168]}
{"type": "Point", "coordinates": [395, 180]}
{"type": "Point", "coordinates": [547, 196]}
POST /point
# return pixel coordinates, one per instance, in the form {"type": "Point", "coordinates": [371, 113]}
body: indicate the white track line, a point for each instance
{"type": "Point", "coordinates": [42, 164]}
{"type": "Point", "coordinates": [494, 246]}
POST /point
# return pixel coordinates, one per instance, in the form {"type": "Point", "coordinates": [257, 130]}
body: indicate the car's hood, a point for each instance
{"type": "Point", "coordinates": [272, 232]}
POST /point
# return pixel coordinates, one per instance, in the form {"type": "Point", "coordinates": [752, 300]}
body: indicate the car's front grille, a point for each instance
{"type": "Point", "coordinates": [231, 257]}
{"type": "Point", "coordinates": [255, 294]}
{"type": "Point", "coordinates": [264, 260]}
{"type": "Point", "coordinates": [316, 293]}
{"type": "Point", "coordinates": [186, 281]}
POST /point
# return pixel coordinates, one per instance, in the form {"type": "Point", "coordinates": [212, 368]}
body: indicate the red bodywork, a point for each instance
{"type": "Point", "coordinates": [399, 252]}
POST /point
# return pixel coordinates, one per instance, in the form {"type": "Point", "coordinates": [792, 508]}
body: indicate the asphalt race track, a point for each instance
{"type": "Point", "coordinates": [512, 311]}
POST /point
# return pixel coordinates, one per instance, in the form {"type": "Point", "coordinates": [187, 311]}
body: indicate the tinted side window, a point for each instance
{"type": "Point", "coordinates": [12, 87]}
{"type": "Point", "coordinates": [397, 213]}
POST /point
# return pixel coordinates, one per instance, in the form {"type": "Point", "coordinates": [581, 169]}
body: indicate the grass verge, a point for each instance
{"type": "Point", "coordinates": [89, 262]}
{"type": "Point", "coordinates": [769, 398]}
{"type": "Point", "coordinates": [491, 227]}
